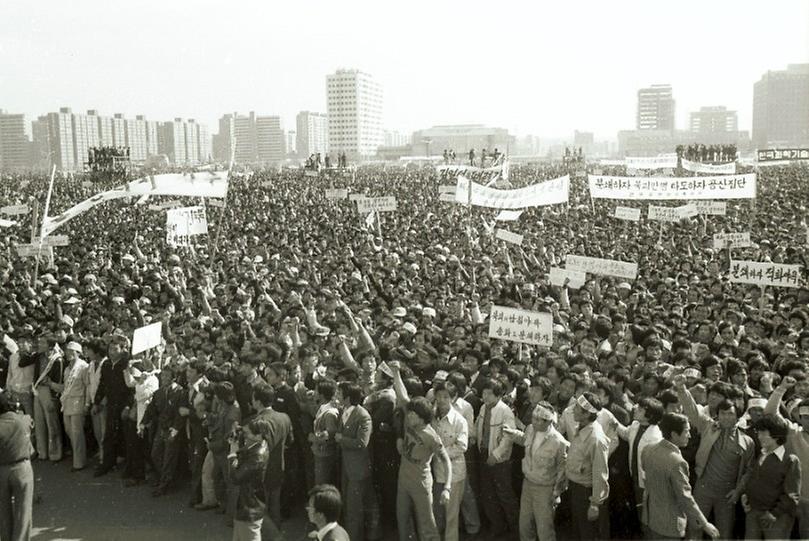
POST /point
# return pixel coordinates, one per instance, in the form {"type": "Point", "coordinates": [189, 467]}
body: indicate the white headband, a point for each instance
{"type": "Point", "coordinates": [585, 405]}
{"type": "Point", "coordinates": [545, 413]}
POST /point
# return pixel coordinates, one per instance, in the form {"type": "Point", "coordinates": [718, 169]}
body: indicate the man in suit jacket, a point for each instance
{"type": "Point", "coordinates": [323, 509]}
{"type": "Point", "coordinates": [354, 434]}
{"type": "Point", "coordinates": [278, 437]}
{"type": "Point", "coordinates": [667, 500]}
{"type": "Point", "coordinates": [76, 402]}
{"type": "Point", "coordinates": [246, 468]}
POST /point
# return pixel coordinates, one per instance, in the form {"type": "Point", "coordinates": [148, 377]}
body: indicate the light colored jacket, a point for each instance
{"type": "Point", "coordinates": [499, 444]}
{"type": "Point", "coordinates": [76, 393]}
{"type": "Point", "coordinates": [544, 465]}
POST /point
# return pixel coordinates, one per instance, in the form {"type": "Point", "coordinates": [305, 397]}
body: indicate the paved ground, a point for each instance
{"type": "Point", "coordinates": [76, 506]}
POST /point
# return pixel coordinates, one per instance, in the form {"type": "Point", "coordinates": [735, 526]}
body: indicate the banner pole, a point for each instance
{"type": "Point", "coordinates": [42, 227]}
{"type": "Point", "coordinates": [224, 204]}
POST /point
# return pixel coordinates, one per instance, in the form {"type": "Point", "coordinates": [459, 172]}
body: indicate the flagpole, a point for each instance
{"type": "Point", "coordinates": [225, 203]}
{"type": "Point", "coordinates": [42, 227]}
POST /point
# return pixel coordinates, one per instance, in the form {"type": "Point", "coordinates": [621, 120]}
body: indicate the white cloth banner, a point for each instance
{"type": "Point", "coordinates": [558, 276]}
{"type": "Point", "coordinates": [627, 213]}
{"type": "Point", "coordinates": [721, 169]}
{"type": "Point", "coordinates": [508, 236]}
{"type": "Point", "coordinates": [535, 328]}
{"type": "Point", "coordinates": [765, 274]}
{"type": "Point", "coordinates": [712, 208]}
{"type": "Point", "coordinates": [718, 187]}
{"type": "Point", "coordinates": [336, 193]}
{"type": "Point", "coordinates": [611, 163]}
{"type": "Point", "coordinates": [447, 188]}
{"type": "Point", "coordinates": [447, 197]}
{"type": "Point", "coordinates": [7, 223]}
{"type": "Point", "coordinates": [597, 265]}
{"type": "Point", "coordinates": [672, 214]}
{"type": "Point", "coordinates": [736, 239]}
{"type": "Point", "coordinates": [654, 162]}
{"type": "Point", "coordinates": [207, 184]}
{"type": "Point", "coordinates": [509, 215]}
{"type": "Point", "coordinates": [379, 204]}
{"type": "Point", "coordinates": [464, 168]}
{"type": "Point", "coordinates": [551, 192]}
{"type": "Point", "coordinates": [15, 210]}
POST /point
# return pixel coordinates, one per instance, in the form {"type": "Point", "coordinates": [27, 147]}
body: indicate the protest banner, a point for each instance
{"type": "Point", "coordinates": [379, 204]}
{"type": "Point", "coordinates": [56, 240]}
{"type": "Point", "coordinates": [32, 250]}
{"type": "Point", "coordinates": [356, 196]}
{"type": "Point", "coordinates": [610, 163]}
{"type": "Point", "coordinates": [447, 197]}
{"type": "Point", "coordinates": [736, 239]}
{"type": "Point", "coordinates": [15, 210]}
{"type": "Point", "coordinates": [712, 208]}
{"type": "Point", "coordinates": [336, 193]}
{"type": "Point", "coordinates": [447, 188]}
{"type": "Point", "coordinates": [716, 187]}
{"type": "Point", "coordinates": [598, 171]}
{"type": "Point", "coordinates": [86, 184]}
{"type": "Point", "coordinates": [597, 265]}
{"type": "Point", "coordinates": [9, 223]}
{"type": "Point", "coordinates": [627, 213]}
{"type": "Point", "coordinates": [524, 326]}
{"type": "Point", "coordinates": [148, 337]}
{"type": "Point", "coordinates": [778, 154]}
{"type": "Point", "coordinates": [765, 274]}
{"type": "Point", "coordinates": [711, 169]}
{"type": "Point", "coordinates": [558, 276]}
{"type": "Point", "coordinates": [653, 162]}
{"type": "Point", "coordinates": [551, 192]}
{"type": "Point", "coordinates": [216, 203]}
{"type": "Point", "coordinates": [207, 184]}
{"type": "Point", "coordinates": [672, 214]}
{"type": "Point", "coordinates": [183, 223]}
{"type": "Point", "coordinates": [508, 215]}
{"type": "Point", "coordinates": [508, 236]}
{"type": "Point", "coordinates": [310, 173]}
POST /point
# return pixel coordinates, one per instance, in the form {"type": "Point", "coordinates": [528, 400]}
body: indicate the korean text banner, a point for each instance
{"type": "Point", "coordinates": [535, 328]}
{"type": "Point", "coordinates": [655, 188]}
{"type": "Point", "coordinates": [720, 169]}
{"type": "Point", "coordinates": [654, 162]}
{"type": "Point", "coordinates": [551, 192]}
{"type": "Point", "coordinates": [735, 239]}
{"type": "Point", "coordinates": [576, 278]}
{"type": "Point", "coordinates": [627, 213]}
{"type": "Point", "coordinates": [596, 265]}
{"type": "Point", "coordinates": [765, 274]}
{"type": "Point", "coordinates": [379, 204]}
{"type": "Point", "coordinates": [713, 208]}
{"type": "Point", "coordinates": [672, 214]}
{"type": "Point", "coordinates": [336, 193]}
{"type": "Point", "coordinates": [508, 236]}
{"type": "Point", "coordinates": [778, 154]}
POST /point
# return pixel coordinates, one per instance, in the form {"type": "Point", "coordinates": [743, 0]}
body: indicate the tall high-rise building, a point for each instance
{"type": "Point", "coordinates": [57, 139]}
{"type": "Point", "coordinates": [118, 130]}
{"type": "Point", "coordinates": [136, 139]}
{"type": "Point", "coordinates": [15, 142]}
{"type": "Point", "coordinates": [312, 133]}
{"type": "Point", "coordinates": [204, 140]}
{"type": "Point", "coordinates": [292, 142]}
{"type": "Point", "coordinates": [655, 108]}
{"type": "Point", "coordinates": [354, 107]}
{"type": "Point", "coordinates": [270, 140]}
{"type": "Point", "coordinates": [396, 139]}
{"type": "Point", "coordinates": [781, 108]}
{"type": "Point", "coordinates": [716, 119]}
{"type": "Point", "coordinates": [171, 141]}
{"type": "Point", "coordinates": [191, 141]}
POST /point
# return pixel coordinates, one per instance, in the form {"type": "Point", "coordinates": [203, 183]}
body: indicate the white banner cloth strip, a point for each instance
{"type": "Point", "coordinates": [737, 240]}
{"type": "Point", "coordinates": [654, 162]}
{"type": "Point", "coordinates": [551, 192]}
{"type": "Point", "coordinates": [558, 276]}
{"type": "Point", "coordinates": [655, 188]}
{"type": "Point", "coordinates": [713, 208]}
{"type": "Point", "coordinates": [597, 265]}
{"type": "Point", "coordinates": [508, 236]}
{"type": "Point", "coordinates": [379, 204]}
{"type": "Point", "coordinates": [720, 169]}
{"type": "Point", "coordinates": [508, 215]}
{"type": "Point", "coordinates": [672, 214]}
{"type": "Point", "coordinates": [535, 328]}
{"type": "Point", "coordinates": [207, 184]}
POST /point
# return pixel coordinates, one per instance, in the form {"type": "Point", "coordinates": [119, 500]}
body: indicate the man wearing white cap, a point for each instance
{"type": "Point", "coordinates": [797, 443]}
{"type": "Point", "coordinates": [76, 402]}
{"type": "Point", "coordinates": [544, 468]}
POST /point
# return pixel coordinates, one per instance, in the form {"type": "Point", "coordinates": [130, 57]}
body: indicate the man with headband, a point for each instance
{"type": "Point", "coordinates": [587, 472]}
{"type": "Point", "coordinates": [544, 469]}
{"type": "Point", "coordinates": [797, 441]}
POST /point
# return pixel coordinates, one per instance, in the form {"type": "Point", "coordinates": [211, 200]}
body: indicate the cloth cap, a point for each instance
{"type": "Point", "coordinates": [409, 327]}
{"type": "Point", "coordinates": [74, 346]}
{"type": "Point", "coordinates": [399, 312]}
{"type": "Point", "coordinates": [428, 311]}
{"type": "Point", "coordinates": [67, 320]}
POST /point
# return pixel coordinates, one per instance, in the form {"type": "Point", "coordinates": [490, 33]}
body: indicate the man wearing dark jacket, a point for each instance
{"type": "Point", "coordinates": [165, 408]}
{"type": "Point", "coordinates": [247, 466]}
{"type": "Point", "coordinates": [113, 387]}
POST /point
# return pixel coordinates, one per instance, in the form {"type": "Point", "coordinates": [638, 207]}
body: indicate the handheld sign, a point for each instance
{"type": "Point", "coordinates": [627, 213]}
{"type": "Point", "coordinates": [558, 276]}
{"type": "Point", "coordinates": [508, 236]}
{"type": "Point", "coordinates": [736, 239]}
{"type": "Point", "coordinates": [597, 265]}
{"type": "Point", "coordinates": [508, 215]}
{"type": "Point", "coordinates": [336, 194]}
{"type": "Point", "coordinates": [765, 274]}
{"type": "Point", "coordinates": [535, 328]}
{"type": "Point", "coordinates": [379, 204]}
{"type": "Point", "coordinates": [14, 210]}
{"type": "Point", "coordinates": [147, 337]}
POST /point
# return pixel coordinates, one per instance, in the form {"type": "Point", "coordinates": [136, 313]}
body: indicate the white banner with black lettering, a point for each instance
{"type": "Point", "coordinates": [653, 162]}
{"type": "Point", "coordinates": [597, 265]}
{"type": "Point", "coordinates": [765, 274]}
{"type": "Point", "coordinates": [711, 169]}
{"type": "Point", "coordinates": [551, 192]}
{"type": "Point", "coordinates": [535, 328]}
{"type": "Point", "coordinates": [655, 188]}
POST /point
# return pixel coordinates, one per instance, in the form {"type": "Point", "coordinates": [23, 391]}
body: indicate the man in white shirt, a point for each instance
{"type": "Point", "coordinates": [20, 378]}
{"type": "Point", "coordinates": [453, 430]}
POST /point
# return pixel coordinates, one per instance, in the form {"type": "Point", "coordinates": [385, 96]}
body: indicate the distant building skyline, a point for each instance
{"type": "Point", "coordinates": [655, 108]}
{"type": "Point", "coordinates": [781, 107]}
{"type": "Point", "coordinates": [312, 132]}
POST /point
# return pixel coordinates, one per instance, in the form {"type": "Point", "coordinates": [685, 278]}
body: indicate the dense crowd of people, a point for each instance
{"type": "Point", "coordinates": [304, 348]}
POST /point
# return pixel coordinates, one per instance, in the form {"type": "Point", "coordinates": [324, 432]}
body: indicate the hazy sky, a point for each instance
{"type": "Point", "coordinates": [530, 66]}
